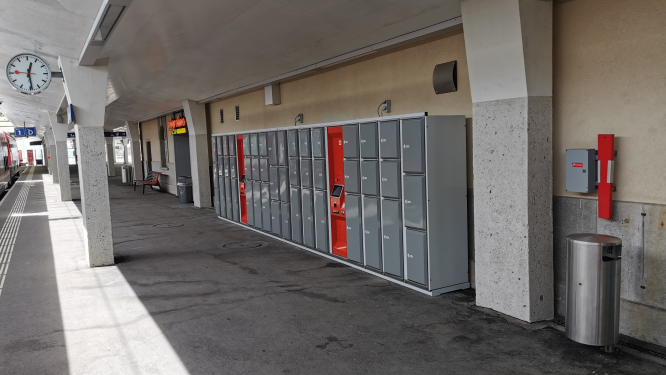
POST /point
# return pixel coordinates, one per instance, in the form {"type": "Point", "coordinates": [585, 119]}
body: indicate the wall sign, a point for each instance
{"type": "Point", "coordinates": [177, 126]}
{"type": "Point", "coordinates": [115, 134]}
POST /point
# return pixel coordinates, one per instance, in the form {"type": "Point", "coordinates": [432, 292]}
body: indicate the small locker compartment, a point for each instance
{"type": "Point", "coordinates": [389, 140]}
{"type": "Point", "coordinates": [368, 141]}
{"type": "Point", "coordinates": [308, 217]}
{"type": "Point", "coordinates": [417, 256]}
{"type": "Point", "coordinates": [352, 179]}
{"type": "Point", "coordinates": [294, 172]}
{"type": "Point", "coordinates": [232, 143]}
{"type": "Point", "coordinates": [249, 199]}
{"type": "Point", "coordinates": [318, 142]}
{"type": "Point", "coordinates": [372, 232]}
{"type": "Point", "coordinates": [350, 141]}
{"type": "Point", "coordinates": [296, 217]}
{"type": "Point", "coordinates": [217, 202]}
{"type": "Point", "coordinates": [246, 144]}
{"type": "Point", "coordinates": [306, 173]}
{"type": "Point", "coordinates": [228, 196]}
{"type": "Point", "coordinates": [283, 176]}
{"type": "Point", "coordinates": [254, 169]}
{"type": "Point", "coordinates": [223, 203]}
{"type": "Point", "coordinates": [265, 207]}
{"type": "Point", "coordinates": [354, 228]}
{"type": "Point", "coordinates": [232, 167]}
{"type": "Point", "coordinates": [319, 173]}
{"type": "Point", "coordinates": [213, 142]}
{"type": "Point", "coordinates": [263, 144]}
{"type": "Point", "coordinates": [304, 143]}
{"type": "Point", "coordinates": [254, 145]}
{"type": "Point", "coordinates": [216, 172]}
{"type": "Point", "coordinates": [390, 181]}
{"type": "Point", "coordinates": [236, 207]}
{"type": "Point", "coordinates": [415, 201]}
{"type": "Point", "coordinates": [256, 200]}
{"type": "Point", "coordinates": [321, 220]}
{"type": "Point", "coordinates": [263, 169]}
{"type": "Point", "coordinates": [248, 168]}
{"type": "Point", "coordinates": [274, 181]}
{"type": "Point", "coordinates": [392, 237]}
{"type": "Point", "coordinates": [272, 149]}
{"type": "Point", "coordinates": [413, 146]}
{"type": "Point", "coordinates": [282, 147]}
{"type": "Point", "coordinates": [225, 145]}
{"type": "Point", "coordinates": [286, 221]}
{"type": "Point", "coordinates": [276, 221]}
{"type": "Point", "coordinates": [370, 177]}
{"type": "Point", "coordinates": [225, 167]}
{"type": "Point", "coordinates": [292, 143]}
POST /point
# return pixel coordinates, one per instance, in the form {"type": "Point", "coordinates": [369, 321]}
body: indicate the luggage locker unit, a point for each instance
{"type": "Point", "coordinates": [385, 195]}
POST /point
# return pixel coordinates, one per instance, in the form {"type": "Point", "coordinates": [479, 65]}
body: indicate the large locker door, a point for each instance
{"type": "Point", "coordinates": [276, 221]}
{"type": "Point", "coordinates": [283, 176]}
{"type": "Point", "coordinates": [263, 144]}
{"type": "Point", "coordinates": [263, 169]}
{"type": "Point", "coordinates": [319, 174]}
{"type": "Point", "coordinates": [265, 206]}
{"type": "Point", "coordinates": [294, 172]}
{"type": "Point", "coordinates": [232, 145]}
{"type": "Point", "coordinates": [306, 173]}
{"type": "Point", "coordinates": [308, 218]}
{"type": "Point", "coordinates": [225, 167]}
{"type": "Point", "coordinates": [368, 141]}
{"type": "Point", "coordinates": [352, 179]}
{"type": "Point", "coordinates": [254, 145]}
{"type": "Point", "coordinates": [389, 141]}
{"type": "Point", "coordinates": [350, 141]}
{"type": "Point", "coordinates": [296, 217]}
{"type": "Point", "coordinates": [249, 202]}
{"type": "Point", "coordinates": [256, 199]}
{"type": "Point", "coordinates": [413, 146]}
{"type": "Point", "coordinates": [370, 177]}
{"type": "Point", "coordinates": [213, 142]}
{"type": "Point", "coordinates": [255, 169]}
{"type": "Point", "coordinates": [318, 149]}
{"type": "Point", "coordinates": [248, 168]}
{"type": "Point", "coordinates": [216, 172]}
{"type": "Point", "coordinates": [235, 203]}
{"type": "Point", "coordinates": [292, 143]}
{"type": "Point", "coordinates": [218, 210]}
{"type": "Point", "coordinates": [417, 256]}
{"type": "Point", "coordinates": [233, 165]}
{"type": "Point", "coordinates": [304, 143]}
{"type": "Point", "coordinates": [321, 221]}
{"type": "Point", "coordinates": [228, 189]}
{"type": "Point", "coordinates": [390, 181]}
{"type": "Point", "coordinates": [274, 182]}
{"type": "Point", "coordinates": [373, 241]}
{"type": "Point", "coordinates": [246, 144]}
{"type": "Point", "coordinates": [223, 200]}
{"type": "Point", "coordinates": [392, 237]}
{"type": "Point", "coordinates": [354, 228]}
{"type": "Point", "coordinates": [282, 147]}
{"type": "Point", "coordinates": [286, 221]}
{"type": "Point", "coordinates": [415, 202]}
{"type": "Point", "coordinates": [272, 149]}
{"type": "Point", "coordinates": [225, 145]}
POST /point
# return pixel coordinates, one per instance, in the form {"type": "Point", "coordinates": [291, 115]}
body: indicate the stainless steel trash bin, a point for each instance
{"type": "Point", "coordinates": [124, 172]}
{"type": "Point", "coordinates": [593, 289]}
{"type": "Point", "coordinates": [185, 189]}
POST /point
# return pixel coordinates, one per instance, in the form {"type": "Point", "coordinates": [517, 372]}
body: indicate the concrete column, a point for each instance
{"type": "Point", "coordinates": [62, 160]}
{"type": "Point", "coordinates": [50, 158]}
{"type": "Point", "coordinates": [195, 115]}
{"type": "Point", "coordinates": [135, 144]}
{"type": "Point", "coordinates": [509, 55]}
{"type": "Point", "coordinates": [85, 88]}
{"type": "Point", "coordinates": [110, 157]}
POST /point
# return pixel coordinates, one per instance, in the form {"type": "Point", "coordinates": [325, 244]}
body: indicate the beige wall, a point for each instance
{"type": "Point", "coordinates": [354, 91]}
{"type": "Point", "coordinates": [610, 77]}
{"type": "Point", "coordinates": [149, 131]}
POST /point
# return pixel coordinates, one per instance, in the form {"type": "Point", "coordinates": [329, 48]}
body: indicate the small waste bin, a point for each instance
{"type": "Point", "coordinates": [185, 189]}
{"type": "Point", "coordinates": [593, 289]}
{"type": "Point", "coordinates": [124, 172]}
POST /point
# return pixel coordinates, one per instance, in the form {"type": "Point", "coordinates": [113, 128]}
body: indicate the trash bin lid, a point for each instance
{"type": "Point", "coordinates": [592, 238]}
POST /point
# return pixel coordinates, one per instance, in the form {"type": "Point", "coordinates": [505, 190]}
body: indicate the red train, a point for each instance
{"type": "Point", "coordinates": [9, 170]}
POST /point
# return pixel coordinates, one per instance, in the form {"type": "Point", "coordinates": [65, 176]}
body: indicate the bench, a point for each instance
{"type": "Point", "coordinates": [153, 179]}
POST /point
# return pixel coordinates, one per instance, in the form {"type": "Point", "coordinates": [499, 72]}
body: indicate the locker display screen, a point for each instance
{"type": "Point", "coordinates": [337, 191]}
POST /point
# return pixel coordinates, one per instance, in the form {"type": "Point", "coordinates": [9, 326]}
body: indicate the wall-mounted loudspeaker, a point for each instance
{"type": "Point", "coordinates": [445, 77]}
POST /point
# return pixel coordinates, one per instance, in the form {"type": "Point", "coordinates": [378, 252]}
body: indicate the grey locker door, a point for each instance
{"type": "Point", "coordinates": [294, 172]}
{"type": "Point", "coordinates": [225, 145]}
{"type": "Point", "coordinates": [223, 202]}
{"type": "Point", "coordinates": [415, 201]}
{"type": "Point", "coordinates": [233, 165]}
{"type": "Point", "coordinates": [319, 173]}
{"type": "Point", "coordinates": [225, 165]}
{"type": "Point", "coordinates": [263, 169]}
{"type": "Point", "coordinates": [304, 143]}
{"type": "Point", "coordinates": [282, 147]}
{"type": "Point", "coordinates": [213, 142]}
{"type": "Point", "coordinates": [272, 148]}
{"type": "Point", "coordinates": [413, 146]}
{"type": "Point", "coordinates": [256, 200]}
{"type": "Point", "coordinates": [216, 172]}
{"type": "Point", "coordinates": [318, 149]}
{"type": "Point", "coordinates": [352, 178]}
{"type": "Point", "coordinates": [232, 145]}
{"type": "Point", "coordinates": [417, 256]}
{"type": "Point", "coordinates": [354, 228]}
{"type": "Point", "coordinates": [370, 177]}
{"type": "Point", "coordinates": [254, 145]}
{"type": "Point", "coordinates": [283, 175]}
{"type": "Point", "coordinates": [296, 217]}
{"type": "Point", "coordinates": [276, 220]}
{"type": "Point", "coordinates": [274, 182]}
{"type": "Point", "coordinates": [263, 145]}
{"type": "Point", "coordinates": [254, 169]}
{"type": "Point", "coordinates": [217, 202]}
{"type": "Point", "coordinates": [249, 203]}
{"type": "Point", "coordinates": [368, 141]}
{"type": "Point", "coordinates": [246, 144]}
{"type": "Point", "coordinates": [389, 139]}
{"type": "Point", "coordinates": [306, 173]}
{"type": "Point", "coordinates": [292, 143]}
{"type": "Point", "coordinates": [286, 221]}
{"type": "Point", "coordinates": [308, 218]}
{"type": "Point", "coordinates": [235, 203]}
{"type": "Point", "coordinates": [248, 168]}
{"type": "Point", "coordinates": [392, 237]}
{"type": "Point", "coordinates": [372, 232]}
{"type": "Point", "coordinates": [321, 221]}
{"type": "Point", "coordinates": [265, 207]}
{"type": "Point", "coordinates": [350, 141]}
{"type": "Point", "coordinates": [228, 195]}
{"type": "Point", "coordinates": [390, 180]}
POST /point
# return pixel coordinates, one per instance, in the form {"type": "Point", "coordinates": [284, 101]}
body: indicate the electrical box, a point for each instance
{"type": "Point", "coordinates": [581, 170]}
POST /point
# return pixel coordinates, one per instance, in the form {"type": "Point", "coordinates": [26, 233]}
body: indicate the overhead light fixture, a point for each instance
{"type": "Point", "coordinates": [107, 19]}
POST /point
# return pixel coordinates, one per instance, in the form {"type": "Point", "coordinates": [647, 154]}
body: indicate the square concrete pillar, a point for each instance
{"type": "Point", "coordinates": [509, 55]}
{"type": "Point", "coordinates": [50, 154]}
{"type": "Point", "coordinates": [61, 159]}
{"type": "Point", "coordinates": [135, 146]}
{"type": "Point", "coordinates": [110, 157]}
{"type": "Point", "coordinates": [195, 115]}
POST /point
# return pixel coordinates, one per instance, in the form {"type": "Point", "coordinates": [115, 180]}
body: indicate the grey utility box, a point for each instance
{"type": "Point", "coordinates": [581, 167]}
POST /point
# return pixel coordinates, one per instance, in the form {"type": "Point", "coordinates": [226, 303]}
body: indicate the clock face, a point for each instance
{"type": "Point", "coordinates": [29, 74]}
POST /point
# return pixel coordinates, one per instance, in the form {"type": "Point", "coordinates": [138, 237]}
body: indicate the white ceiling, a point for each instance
{"type": "Point", "coordinates": [166, 51]}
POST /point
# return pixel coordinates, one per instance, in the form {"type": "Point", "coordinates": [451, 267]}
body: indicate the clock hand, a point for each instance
{"type": "Point", "coordinates": [17, 72]}
{"type": "Point", "coordinates": [30, 78]}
